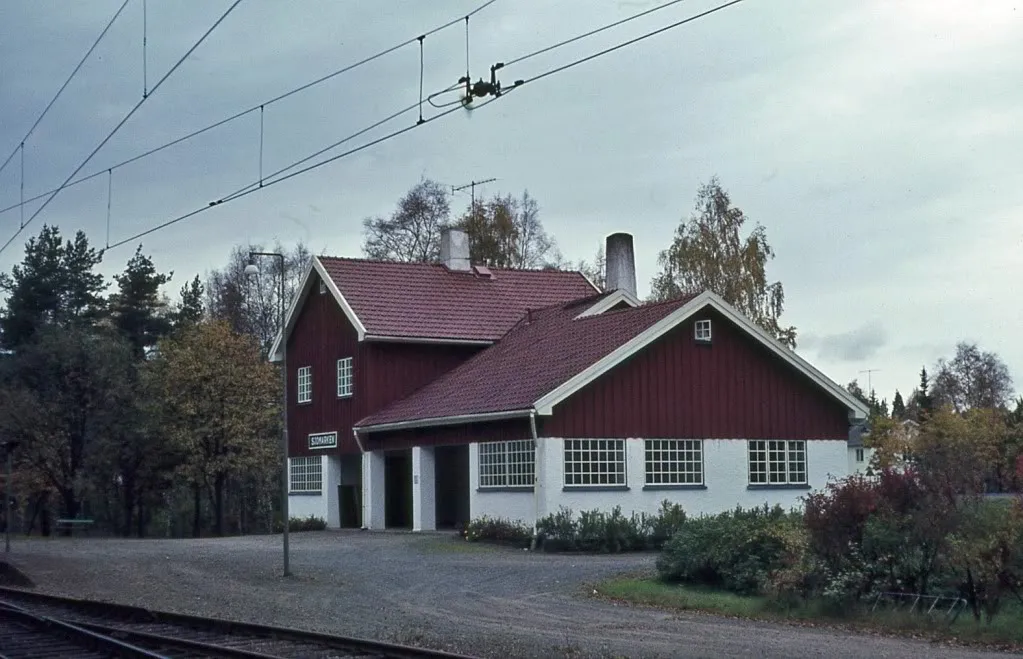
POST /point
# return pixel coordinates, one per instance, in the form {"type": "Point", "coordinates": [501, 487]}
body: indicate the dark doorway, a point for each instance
{"type": "Point", "coordinates": [398, 489]}
{"type": "Point", "coordinates": [452, 486]}
{"type": "Point", "coordinates": [349, 500]}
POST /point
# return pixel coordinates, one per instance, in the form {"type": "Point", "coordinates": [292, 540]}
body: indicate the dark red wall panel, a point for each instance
{"type": "Point", "coordinates": [493, 431]}
{"type": "Point", "coordinates": [732, 389]}
{"type": "Point", "coordinates": [383, 372]}
{"type": "Point", "coordinates": [321, 336]}
{"type": "Point", "coordinates": [395, 370]}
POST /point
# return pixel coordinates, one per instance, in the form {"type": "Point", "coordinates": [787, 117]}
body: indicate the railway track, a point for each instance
{"type": "Point", "coordinates": [38, 626]}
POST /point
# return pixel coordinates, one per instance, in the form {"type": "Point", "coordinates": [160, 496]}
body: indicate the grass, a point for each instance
{"type": "Point", "coordinates": [455, 545]}
{"type": "Point", "coordinates": [1005, 631]}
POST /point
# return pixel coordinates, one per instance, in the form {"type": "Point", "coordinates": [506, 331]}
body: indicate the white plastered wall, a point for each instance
{"type": "Point", "coordinates": [725, 463]}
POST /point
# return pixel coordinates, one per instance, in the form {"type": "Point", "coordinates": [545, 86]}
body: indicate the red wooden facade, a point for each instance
{"type": "Point", "coordinates": [491, 431]}
{"type": "Point", "coordinates": [733, 388]}
{"type": "Point", "coordinates": [382, 372]}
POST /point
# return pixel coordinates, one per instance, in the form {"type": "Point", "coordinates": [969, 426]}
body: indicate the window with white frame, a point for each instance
{"type": "Point", "coordinates": [702, 331]}
{"type": "Point", "coordinates": [777, 462]}
{"type": "Point", "coordinates": [305, 475]}
{"type": "Point", "coordinates": [594, 462]}
{"type": "Point", "coordinates": [305, 384]}
{"type": "Point", "coordinates": [323, 287]}
{"type": "Point", "coordinates": [508, 464]}
{"type": "Point", "coordinates": [859, 455]}
{"type": "Point", "coordinates": [674, 462]}
{"type": "Point", "coordinates": [344, 377]}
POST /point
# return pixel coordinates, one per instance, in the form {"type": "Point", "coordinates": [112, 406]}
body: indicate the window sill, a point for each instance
{"type": "Point", "coordinates": [523, 488]}
{"type": "Point", "coordinates": [778, 486]}
{"type": "Point", "coordinates": [305, 402]}
{"type": "Point", "coordinates": [344, 395]}
{"type": "Point", "coordinates": [595, 488]}
{"type": "Point", "coordinates": [305, 494]}
{"type": "Point", "coordinates": [673, 486]}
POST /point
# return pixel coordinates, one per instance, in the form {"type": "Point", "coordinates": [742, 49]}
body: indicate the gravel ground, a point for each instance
{"type": "Point", "coordinates": [431, 590]}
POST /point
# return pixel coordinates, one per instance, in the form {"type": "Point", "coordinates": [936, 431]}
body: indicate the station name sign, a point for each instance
{"type": "Point", "coordinates": [323, 440]}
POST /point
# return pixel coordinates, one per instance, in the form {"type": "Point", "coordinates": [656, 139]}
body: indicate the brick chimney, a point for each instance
{"type": "Point", "coordinates": [621, 263]}
{"type": "Point", "coordinates": [454, 249]}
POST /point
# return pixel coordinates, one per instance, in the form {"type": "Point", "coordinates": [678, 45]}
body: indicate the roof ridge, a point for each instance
{"type": "Point", "coordinates": [358, 259]}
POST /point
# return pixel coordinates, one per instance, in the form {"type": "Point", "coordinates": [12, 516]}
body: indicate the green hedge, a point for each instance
{"type": "Point", "coordinates": [593, 531]}
{"type": "Point", "coordinates": [737, 550]}
{"type": "Point", "coordinates": [295, 524]}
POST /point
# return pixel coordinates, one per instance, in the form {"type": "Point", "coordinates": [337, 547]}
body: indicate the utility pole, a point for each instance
{"type": "Point", "coordinates": [472, 186]}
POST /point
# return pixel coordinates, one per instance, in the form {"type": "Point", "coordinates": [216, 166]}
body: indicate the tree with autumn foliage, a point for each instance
{"type": "Point", "coordinates": [709, 252]}
{"type": "Point", "coordinates": [506, 232]}
{"type": "Point", "coordinates": [220, 409]}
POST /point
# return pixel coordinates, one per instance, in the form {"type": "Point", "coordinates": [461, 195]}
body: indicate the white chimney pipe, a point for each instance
{"type": "Point", "coordinates": [454, 249]}
{"type": "Point", "coordinates": [620, 264]}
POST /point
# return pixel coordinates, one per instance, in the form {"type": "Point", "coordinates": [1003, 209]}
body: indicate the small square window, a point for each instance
{"type": "Point", "coordinates": [305, 384]}
{"type": "Point", "coordinates": [702, 331]}
{"type": "Point", "coordinates": [323, 287]}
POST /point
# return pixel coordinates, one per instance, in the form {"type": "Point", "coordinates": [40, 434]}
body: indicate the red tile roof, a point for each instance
{"type": "Point", "coordinates": [534, 358]}
{"type": "Point", "coordinates": [425, 300]}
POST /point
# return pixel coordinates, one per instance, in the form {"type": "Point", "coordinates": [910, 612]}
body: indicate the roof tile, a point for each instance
{"type": "Point", "coordinates": [540, 353]}
{"type": "Point", "coordinates": [427, 300]}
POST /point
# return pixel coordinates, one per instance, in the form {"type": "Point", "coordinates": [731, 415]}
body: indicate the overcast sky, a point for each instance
{"type": "Point", "coordinates": [878, 141]}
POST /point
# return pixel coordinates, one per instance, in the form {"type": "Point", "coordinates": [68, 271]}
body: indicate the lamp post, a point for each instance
{"type": "Point", "coordinates": [9, 447]}
{"type": "Point", "coordinates": [253, 270]}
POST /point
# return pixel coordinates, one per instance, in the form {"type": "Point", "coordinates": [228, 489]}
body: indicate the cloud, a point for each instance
{"type": "Point", "coordinates": [855, 345]}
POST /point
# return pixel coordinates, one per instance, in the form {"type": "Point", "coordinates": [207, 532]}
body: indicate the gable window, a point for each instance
{"type": "Point", "coordinates": [702, 331]}
{"type": "Point", "coordinates": [777, 462]}
{"type": "Point", "coordinates": [674, 462]}
{"type": "Point", "coordinates": [594, 462]}
{"type": "Point", "coordinates": [305, 384]}
{"type": "Point", "coordinates": [323, 287]}
{"type": "Point", "coordinates": [345, 381]}
{"type": "Point", "coordinates": [859, 455]}
{"type": "Point", "coordinates": [305, 475]}
{"type": "Point", "coordinates": [508, 464]}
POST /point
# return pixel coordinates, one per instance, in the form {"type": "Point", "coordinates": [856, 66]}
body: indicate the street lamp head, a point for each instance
{"type": "Point", "coordinates": [251, 270]}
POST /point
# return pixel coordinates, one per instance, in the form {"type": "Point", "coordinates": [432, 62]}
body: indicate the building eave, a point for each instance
{"type": "Point", "coordinates": [614, 299]}
{"type": "Point", "coordinates": [382, 338]}
{"type": "Point", "coordinates": [444, 421]}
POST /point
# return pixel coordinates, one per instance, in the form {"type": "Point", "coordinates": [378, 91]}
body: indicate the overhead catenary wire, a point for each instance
{"type": "Point", "coordinates": [121, 123]}
{"type": "Point", "coordinates": [271, 101]}
{"type": "Point", "coordinates": [251, 188]}
{"type": "Point", "coordinates": [60, 91]}
{"type": "Point", "coordinates": [647, 35]}
{"type": "Point", "coordinates": [598, 30]}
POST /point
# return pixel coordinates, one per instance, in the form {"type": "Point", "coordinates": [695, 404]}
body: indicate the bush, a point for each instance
{"type": "Point", "coordinates": [499, 531]}
{"type": "Point", "coordinates": [296, 524]}
{"type": "Point", "coordinates": [598, 531]}
{"type": "Point", "coordinates": [737, 550]}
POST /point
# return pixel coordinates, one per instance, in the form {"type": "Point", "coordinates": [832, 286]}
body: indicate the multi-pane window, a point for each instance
{"type": "Point", "coordinates": [777, 462]}
{"type": "Point", "coordinates": [594, 462]}
{"type": "Point", "coordinates": [702, 331]}
{"type": "Point", "coordinates": [305, 474]}
{"type": "Point", "coordinates": [859, 455]}
{"type": "Point", "coordinates": [508, 464]}
{"type": "Point", "coordinates": [674, 462]}
{"type": "Point", "coordinates": [305, 384]}
{"type": "Point", "coordinates": [344, 377]}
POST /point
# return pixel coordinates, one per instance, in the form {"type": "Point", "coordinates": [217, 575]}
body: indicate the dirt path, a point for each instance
{"type": "Point", "coordinates": [425, 589]}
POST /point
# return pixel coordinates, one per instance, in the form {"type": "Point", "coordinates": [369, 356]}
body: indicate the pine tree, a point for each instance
{"type": "Point", "coordinates": [139, 311]}
{"type": "Point", "coordinates": [53, 285]}
{"type": "Point", "coordinates": [190, 309]}
{"type": "Point", "coordinates": [898, 407]}
{"type": "Point", "coordinates": [924, 400]}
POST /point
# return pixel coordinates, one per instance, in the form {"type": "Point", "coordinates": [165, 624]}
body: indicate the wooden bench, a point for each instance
{"type": "Point", "coordinates": [72, 524]}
